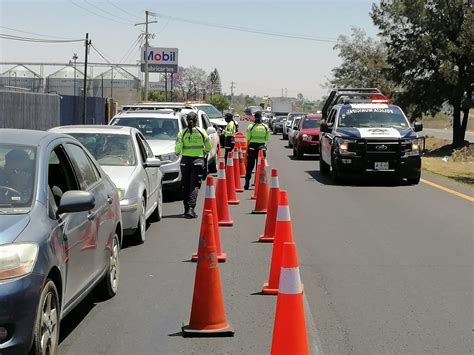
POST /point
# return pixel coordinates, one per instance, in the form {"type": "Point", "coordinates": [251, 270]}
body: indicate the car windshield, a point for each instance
{"type": "Point", "coordinates": [280, 118]}
{"type": "Point", "coordinates": [211, 111]}
{"type": "Point", "coordinates": [17, 178]}
{"type": "Point", "coordinates": [108, 149]}
{"type": "Point", "coordinates": [152, 128]}
{"type": "Point", "coordinates": [383, 116]}
{"type": "Point", "coordinates": [311, 123]}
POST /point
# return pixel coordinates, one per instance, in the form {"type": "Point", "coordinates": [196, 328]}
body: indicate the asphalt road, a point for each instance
{"type": "Point", "coordinates": [387, 269]}
{"type": "Point", "coordinates": [445, 134]}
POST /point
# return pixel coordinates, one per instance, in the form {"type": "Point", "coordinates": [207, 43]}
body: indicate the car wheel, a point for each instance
{"type": "Point", "coordinates": [107, 288]}
{"type": "Point", "coordinates": [285, 136]}
{"type": "Point", "coordinates": [299, 153]}
{"type": "Point", "coordinates": [213, 166]}
{"type": "Point", "coordinates": [140, 233]}
{"type": "Point", "coordinates": [274, 131]}
{"type": "Point", "coordinates": [46, 328]}
{"type": "Point", "coordinates": [290, 144]}
{"type": "Point", "coordinates": [414, 181]}
{"type": "Point", "coordinates": [323, 167]}
{"type": "Point", "coordinates": [334, 173]}
{"type": "Point", "coordinates": [158, 212]}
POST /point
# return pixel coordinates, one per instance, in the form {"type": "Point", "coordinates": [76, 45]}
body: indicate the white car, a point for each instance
{"type": "Point", "coordinates": [293, 130]}
{"type": "Point", "coordinates": [124, 154]}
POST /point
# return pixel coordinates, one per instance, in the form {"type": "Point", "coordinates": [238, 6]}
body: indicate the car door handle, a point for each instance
{"type": "Point", "coordinates": [91, 216]}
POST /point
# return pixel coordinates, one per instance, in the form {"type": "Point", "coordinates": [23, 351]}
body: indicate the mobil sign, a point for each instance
{"type": "Point", "coordinates": [160, 59]}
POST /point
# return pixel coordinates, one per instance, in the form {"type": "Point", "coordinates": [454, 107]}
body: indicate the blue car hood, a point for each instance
{"type": "Point", "coordinates": [376, 132]}
{"type": "Point", "coordinates": [11, 226]}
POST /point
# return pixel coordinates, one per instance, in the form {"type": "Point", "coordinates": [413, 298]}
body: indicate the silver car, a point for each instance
{"type": "Point", "coordinates": [293, 130]}
{"type": "Point", "coordinates": [126, 157]}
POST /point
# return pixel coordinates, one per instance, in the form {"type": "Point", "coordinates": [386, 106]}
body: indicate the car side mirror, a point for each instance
{"type": "Point", "coordinates": [211, 130]}
{"type": "Point", "coordinates": [324, 127]}
{"type": "Point", "coordinates": [155, 163]}
{"type": "Point", "coordinates": [418, 126]}
{"type": "Point", "coordinates": [76, 201]}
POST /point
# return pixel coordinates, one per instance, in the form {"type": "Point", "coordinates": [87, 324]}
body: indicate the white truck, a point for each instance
{"type": "Point", "coordinates": [281, 106]}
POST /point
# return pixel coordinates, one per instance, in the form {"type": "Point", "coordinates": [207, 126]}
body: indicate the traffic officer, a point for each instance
{"type": "Point", "coordinates": [257, 136]}
{"type": "Point", "coordinates": [193, 144]}
{"type": "Point", "coordinates": [229, 135]}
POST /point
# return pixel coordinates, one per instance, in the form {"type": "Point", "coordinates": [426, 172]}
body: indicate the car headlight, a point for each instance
{"type": "Point", "coordinates": [168, 157]}
{"type": "Point", "coordinates": [17, 260]}
{"type": "Point", "coordinates": [343, 146]}
{"type": "Point", "coordinates": [306, 137]}
{"type": "Point", "coordinates": [121, 194]}
{"type": "Point", "coordinates": [415, 146]}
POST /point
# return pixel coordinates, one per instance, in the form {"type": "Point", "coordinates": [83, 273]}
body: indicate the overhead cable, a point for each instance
{"type": "Point", "coordinates": [98, 15]}
{"type": "Point", "coordinates": [37, 40]}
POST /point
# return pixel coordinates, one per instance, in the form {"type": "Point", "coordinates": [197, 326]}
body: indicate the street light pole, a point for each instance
{"type": "Point", "coordinates": [147, 13]}
{"type": "Point", "coordinates": [84, 104]}
{"type": "Point", "coordinates": [75, 57]}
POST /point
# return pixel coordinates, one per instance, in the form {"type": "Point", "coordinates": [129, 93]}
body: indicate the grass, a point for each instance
{"type": "Point", "coordinates": [454, 164]}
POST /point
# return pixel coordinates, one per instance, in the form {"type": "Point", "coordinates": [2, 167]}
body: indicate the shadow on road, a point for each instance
{"type": "Point", "coordinates": [311, 157]}
{"type": "Point", "coordinates": [355, 181]}
{"type": "Point", "coordinates": [77, 315]}
{"type": "Point", "coordinates": [180, 216]}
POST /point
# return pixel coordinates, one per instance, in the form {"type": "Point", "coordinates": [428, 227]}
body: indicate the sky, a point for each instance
{"type": "Point", "coordinates": [258, 64]}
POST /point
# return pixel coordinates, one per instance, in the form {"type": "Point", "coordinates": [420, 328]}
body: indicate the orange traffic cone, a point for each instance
{"type": "Point", "coordinates": [238, 186]}
{"type": "Point", "coordinates": [261, 203]}
{"type": "Point", "coordinates": [210, 204]}
{"type": "Point", "coordinates": [221, 198]}
{"type": "Point", "coordinates": [229, 176]}
{"type": "Point", "coordinates": [283, 233]}
{"type": "Point", "coordinates": [269, 233]}
{"type": "Point", "coordinates": [257, 174]}
{"type": "Point", "coordinates": [243, 169]}
{"type": "Point", "coordinates": [208, 316]}
{"type": "Point", "coordinates": [289, 330]}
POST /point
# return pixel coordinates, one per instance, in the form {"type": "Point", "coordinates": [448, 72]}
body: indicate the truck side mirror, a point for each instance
{"type": "Point", "coordinates": [418, 126]}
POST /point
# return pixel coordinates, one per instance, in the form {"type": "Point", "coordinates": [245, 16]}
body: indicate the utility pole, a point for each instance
{"type": "Point", "coordinates": [232, 87]}
{"type": "Point", "coordinates": [75, 57]}
{"type": "Point", "coordinates": [84, 104]}
{"type": "Point", "coordinates": [147, 13]}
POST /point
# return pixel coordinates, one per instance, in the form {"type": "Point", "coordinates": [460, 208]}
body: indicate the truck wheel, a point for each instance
{"type": "Point", "coordinates": [335, 176]}
{"type": "Point", "coordinates": [323, 167]}
{"type": "Point", "coordinates": [414, 181]}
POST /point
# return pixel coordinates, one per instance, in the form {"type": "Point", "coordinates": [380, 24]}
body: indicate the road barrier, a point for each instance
{"type": "Point", "coordinates": [270, 222]}
{"type": "Point", "coordinates": [289, 330]}
{"type": "Point", "coordinates": [221, 198]}
{"type": "Point", "coordinates": [208, 317]}
{"type": "Point", "coordinates": [261, 202]}
{"type": "Point", "coordinates": [210, 204]}
{"type": "Point", "coordinates": [229, 174]}
{"type": "Point", "coordinates": [283, 233]}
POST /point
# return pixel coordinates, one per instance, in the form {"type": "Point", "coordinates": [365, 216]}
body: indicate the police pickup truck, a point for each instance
{"type": "Point", "coordinates": [370, 138]}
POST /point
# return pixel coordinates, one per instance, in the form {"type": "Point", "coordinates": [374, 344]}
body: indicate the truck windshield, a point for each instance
{"type": "Point", "coordinates": [372, 117]}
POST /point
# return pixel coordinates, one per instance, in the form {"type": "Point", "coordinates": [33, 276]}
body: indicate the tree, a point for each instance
{"type": "Point", "coordinates": [430, 51]}
{"type": "Point", "coordinates": [364, 63]}
{"type": "Point", "coordinates": [300, 97]}
{"type": "Point", "coordinates": [158, 96]}
{"type": "Point", "coordinates": [214, 83]}
{"type": "Point", "coordinates": [219, 101]}
{"type": "Point", "coordinates": [194, 81]}
{"type": "Point", "coordinates": [178, 81]}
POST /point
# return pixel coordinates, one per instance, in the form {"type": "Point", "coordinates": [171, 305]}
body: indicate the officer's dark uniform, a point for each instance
{"type": "Point", "coordinates": [257, 136]}
{"type": "Point", "coordinates": [193, 143]}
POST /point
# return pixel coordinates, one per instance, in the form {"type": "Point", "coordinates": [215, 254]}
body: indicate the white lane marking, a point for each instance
{"type": "Point", "coordinates": [314, 341]}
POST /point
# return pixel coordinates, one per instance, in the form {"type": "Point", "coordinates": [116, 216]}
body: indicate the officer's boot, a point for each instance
{"type": "Point", "coordinates": [247, 184]}
{"type": "Point", "coordinates": [191, 213]}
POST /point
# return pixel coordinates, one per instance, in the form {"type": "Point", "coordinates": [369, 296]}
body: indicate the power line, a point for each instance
{"type": "Point", "coordinates": [106, 12]}
{"type": "Point", "coordinates": [32, 33]}
{"type": "Point", "coordinates": [103, 56]}
{"type": "Point", "coordinates": [37, 40]}
{"type": "Point", "coordinates": [98, 15]}
{"type": "Point", "coordinates": [130, 50]}
{"type": "Point", "coordinates": [249, 30]}
{"type": "Point", "coordinates": [121, 9]}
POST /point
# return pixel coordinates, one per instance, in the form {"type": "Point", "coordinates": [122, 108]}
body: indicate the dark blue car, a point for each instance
{"type": "Point", "coordinates": [60, 236]}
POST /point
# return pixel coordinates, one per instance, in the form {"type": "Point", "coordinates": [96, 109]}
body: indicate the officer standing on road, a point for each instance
{"type": "Point", "coordinates": [229, 135]}
{"type": "Point", "coordinates": [257, 136]}
{"type": "Point", "coordinates": [194, 144]}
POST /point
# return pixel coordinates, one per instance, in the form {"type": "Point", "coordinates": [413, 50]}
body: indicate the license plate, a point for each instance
{"type": "Point", "coordinates": [381, 165]}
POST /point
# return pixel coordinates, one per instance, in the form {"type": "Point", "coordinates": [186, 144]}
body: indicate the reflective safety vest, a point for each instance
{"type": "Point", "coordinates": [258, 133]}
{"type": "Point", "coordinates": [230, 129]}
{"type": "Point", "coordinates": [195, 143]}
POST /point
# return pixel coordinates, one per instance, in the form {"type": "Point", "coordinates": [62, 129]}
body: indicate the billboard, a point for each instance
{"type": "Point", "coordinates": [160, 60]}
